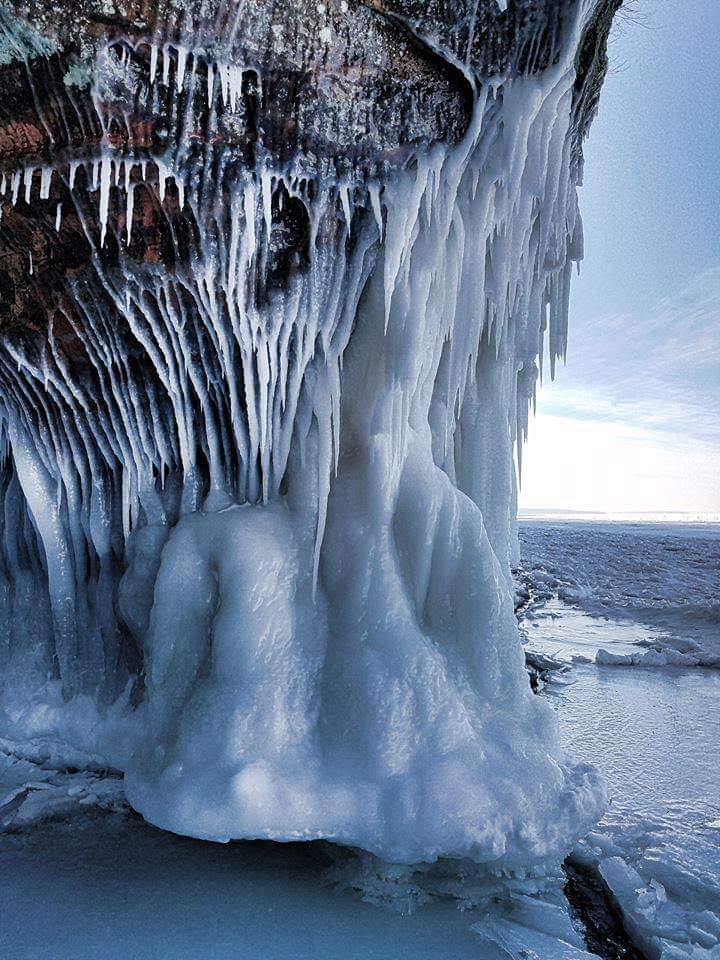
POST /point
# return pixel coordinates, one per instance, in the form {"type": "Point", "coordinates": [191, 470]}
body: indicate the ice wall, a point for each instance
{"type": "Point", "coordinates": [268, 495]}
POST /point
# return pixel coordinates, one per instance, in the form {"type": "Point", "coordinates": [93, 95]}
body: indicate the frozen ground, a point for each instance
{"type": "Point", "coordinates": [658, 582]}
{"type": "Point", "coordinates": [602, 600]}
{"type": "Point", "coordinates": [84, 878]}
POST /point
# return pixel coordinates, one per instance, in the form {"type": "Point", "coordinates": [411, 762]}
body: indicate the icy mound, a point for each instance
{"type": "Point", "coordinates": [275, 715]}
{"type": "Point", "coordinates": [272, 489]}
{"type": "Point", "coordinates": [382, 700]}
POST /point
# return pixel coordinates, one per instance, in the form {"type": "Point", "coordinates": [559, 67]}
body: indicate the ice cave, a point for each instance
{"type": "Point", "coordinates": [278, 281]}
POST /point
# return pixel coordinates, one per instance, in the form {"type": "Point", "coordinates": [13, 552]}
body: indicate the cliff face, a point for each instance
{"type": "Point", "coordinates": [346, 89]}
{"type": "Point", "coordinates": [274, 281]}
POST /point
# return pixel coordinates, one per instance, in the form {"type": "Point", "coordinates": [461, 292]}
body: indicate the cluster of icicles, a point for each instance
{"type": "Point", "coordinates": [168, 64]}
{"type": "Point", "coordinates": [171, 68]}
{"type": "Point", "coordinates": [394, 367]}
{"type": "Point", "coordinates": [489, 229]}
{"type": "Point", "coordinates": [119, 173]}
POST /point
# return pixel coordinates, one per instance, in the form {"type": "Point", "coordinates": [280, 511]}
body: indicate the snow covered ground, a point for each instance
{"type": "Point", "coordinates": [657, 582]}
{"type": "Point", "coordinates": [602, 600]}
{"type": "Point", "coordinates": [83, 877]}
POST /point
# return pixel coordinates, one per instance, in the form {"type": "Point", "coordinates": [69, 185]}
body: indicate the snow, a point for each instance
{"type": "Point", "coordinates": [31, 793]}
{"type": "Point", "coordinates": [19, 41]}
{"type": "Point", "coordinates": [665, 656]}
{"type": "Point", "coordinates": [657, 578]}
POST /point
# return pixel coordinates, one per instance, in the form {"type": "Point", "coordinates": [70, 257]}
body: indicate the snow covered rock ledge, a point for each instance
{"type": "Point", "coordinates": [279, 291]}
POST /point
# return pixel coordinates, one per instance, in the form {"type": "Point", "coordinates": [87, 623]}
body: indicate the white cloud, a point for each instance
{"type": "Point", "coordinates": [573, 464]}
{"type": "Point", "coordinates": [633, 422]}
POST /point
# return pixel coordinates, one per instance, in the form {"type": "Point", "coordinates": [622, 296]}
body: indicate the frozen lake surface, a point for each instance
{"type": "Point", "coordinates": [619, 607]}
{"type": "Point", "coordinates": [93, 881]}
{"type": "Point", "coordinates": [113, 888]}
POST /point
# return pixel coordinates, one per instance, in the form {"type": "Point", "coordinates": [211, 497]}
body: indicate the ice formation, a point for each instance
{"type": "Point", "coordinates": [259, 478]}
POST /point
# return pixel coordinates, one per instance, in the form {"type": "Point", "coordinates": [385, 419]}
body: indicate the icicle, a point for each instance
{"type": "Point", "coordinates": [29, 173]}
{"type": "Point", "coordinates": [374, 191]}
{"type": "Point", "coordinates": [195, 377]}
{"type": "Point", "coordinates": [181, 65]}
{"type": "Point", "coordinates": [105, 174]}
{"type": "Point", "coordinates": [129, 212]}
{"type": "Point", "coordinates": [224, 72]}
{"type": "Point", "coordinates": [345, 200]}
{"type": "Point", "coordinates": [45, 182]}
{"type": "Point", "coordinates": [58, 217]}
{"type": "Point", "coordinates": [163, 175]}
{"type": "Point", "coordinates": [210, 81]}
{"type": "Point", "coordinates": [235, 80]}
{"type": "Point", "coordinates": [266, 187]}
{"type": "Point", "coordinates": [153, 62]}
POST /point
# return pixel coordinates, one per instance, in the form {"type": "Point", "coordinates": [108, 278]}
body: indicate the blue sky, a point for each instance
{"type": "Point", "coordinates": [632, 423]}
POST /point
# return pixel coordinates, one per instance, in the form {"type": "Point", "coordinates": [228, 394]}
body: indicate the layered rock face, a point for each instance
{"type": "Point", "coordinates": [275, 278]}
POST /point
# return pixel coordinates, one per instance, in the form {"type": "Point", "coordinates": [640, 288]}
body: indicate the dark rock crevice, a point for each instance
{"type": "Point", "coordinates": [593, 906]}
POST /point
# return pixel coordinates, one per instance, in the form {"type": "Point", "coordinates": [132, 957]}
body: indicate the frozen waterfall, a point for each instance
{"type": "Point", "coordinates": [258, 509]}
